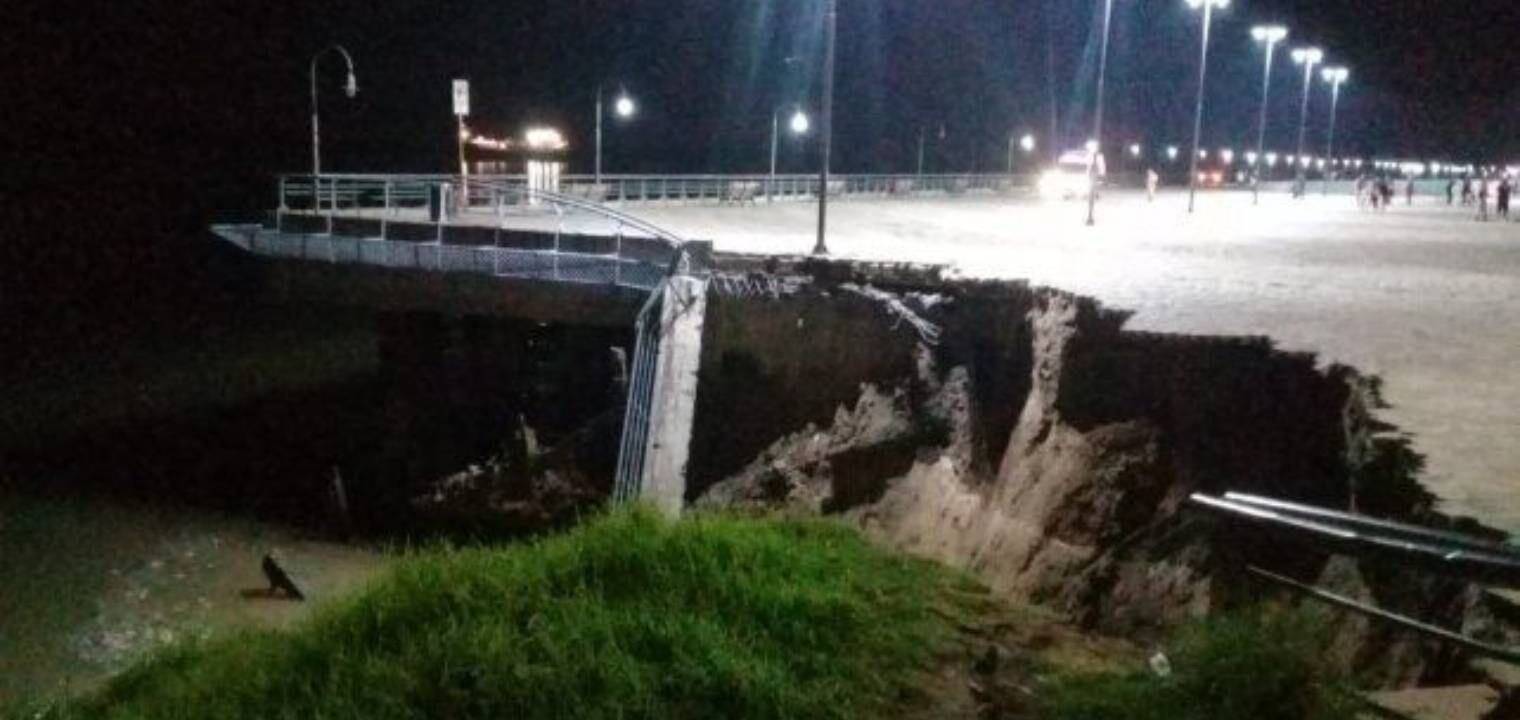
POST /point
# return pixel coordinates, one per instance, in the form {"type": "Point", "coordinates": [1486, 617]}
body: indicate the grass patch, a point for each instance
{"type": "Point", "coordinates": [1263, 665]}
{"type": "Point", "coordinates": [628, 615]}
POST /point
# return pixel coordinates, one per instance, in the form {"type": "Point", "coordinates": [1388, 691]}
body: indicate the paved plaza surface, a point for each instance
{"type": "Point", "coordinates": [1424, 296]}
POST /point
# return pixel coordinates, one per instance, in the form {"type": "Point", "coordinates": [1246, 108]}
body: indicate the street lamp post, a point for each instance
{"type": "Point", "coordinates": [1203, 69]}
{"type": "Point", "coordinates": [1307, 57]}
{"type": "Point", "coordinates": [1269, 35]}
{"type": "Point", "coordinates": [1092, 160]}
{"type": "Point", "coordinates": [351, 88]}
{"type": "Point", "coordinates": [1335, 76]}
{"type": "Point", "coordinates": [826, 124]}
{"type": "Point", "coordinates": [624, 107]}
{"type": "Point", "coordinates": [799, 125]}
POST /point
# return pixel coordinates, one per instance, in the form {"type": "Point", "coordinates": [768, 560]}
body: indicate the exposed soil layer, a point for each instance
{"type": "Point", "coordinates": [1049, 450]}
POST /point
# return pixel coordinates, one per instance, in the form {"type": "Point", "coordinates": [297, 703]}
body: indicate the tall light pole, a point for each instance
{"type": "Point", "coordinates": [351, 88]}
{"type": "Point", "coordinates": [624, 107]}
{"type": "Point", "coordinates": [1269, 35]}
{"type": "Point", "coordinates": [921, 132]}
{"type": "Point", "coordinates": [826, 126]}
{"type": "Point", "coordinates": [1307, 57]}
{"type": "Point", "coordinates": [1203, 71]}
{"type": "Point", "coordinates": [1335, 76]}
{"type": "Point", "coordinates": [1092, 160]}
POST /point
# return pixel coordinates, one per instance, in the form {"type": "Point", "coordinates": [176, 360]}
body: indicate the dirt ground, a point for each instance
{"type": "Point", "coordinates": [1424, 296]}
{"type": "Point", "coordinates": [88, 586]}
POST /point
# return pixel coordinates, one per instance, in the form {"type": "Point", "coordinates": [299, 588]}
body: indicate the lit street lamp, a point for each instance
{"type": "Point", "coordinates": [1269, 35]}
{"type": "Point", "coordinates": [799, 126]}
{"type": "Point", "coordinates": [1307, 57]}
{"type": "Point", "coordinates": [1171, 152]}
{"type": "Point", "coordinates": [1335, 76]}
{"type": "Point", "coordinates": [624, 108]}
{"type": "Point", "coordinates": [351, 88]}
{"type": "Point", "coordinates": [1092, 159]}
{"type": "Point", "coordinates": [1027, 143]}
{"type": "Point", "coordinates": [1203, 69]}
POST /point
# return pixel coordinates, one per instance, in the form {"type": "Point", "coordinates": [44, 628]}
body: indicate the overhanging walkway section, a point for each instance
{"type": "Point", "coordinates": [468, 245]}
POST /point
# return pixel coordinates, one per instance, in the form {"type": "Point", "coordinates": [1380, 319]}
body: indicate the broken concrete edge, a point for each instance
{"type": "Point", "coordinates": [1116, 426]}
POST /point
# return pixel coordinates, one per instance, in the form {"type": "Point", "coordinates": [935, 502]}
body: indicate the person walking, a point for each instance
{"type": "Point", "coordinates": [1451, 190]}
{"type": "Point", "coordinates": [1409, 192]}
{"type": "Point", "coordinates": [1151, 181]}
{"type": "Point", "coordinates": [1483, 199]}
{"type": "Point", "coordinates": [1501, 206]}
{"type": "Point", "coordinates": [1467, 190]}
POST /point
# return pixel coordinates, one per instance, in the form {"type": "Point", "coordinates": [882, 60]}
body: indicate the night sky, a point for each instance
{"type": "Point", "coordinates": [160, 117]}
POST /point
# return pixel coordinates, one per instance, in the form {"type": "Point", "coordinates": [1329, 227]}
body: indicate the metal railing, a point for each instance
{"type": "Point", "coordinates": [639, 402]}
{"type": "Point", "coordinates": [1426, 549]}
{"type": "Point", "coordinates": [498, 226]}
{"type": "Point", "coordinates": [338, 192]}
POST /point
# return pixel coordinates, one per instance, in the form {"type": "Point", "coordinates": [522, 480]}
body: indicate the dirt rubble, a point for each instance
{"type": "Point", "coordinates": [1037, 443]}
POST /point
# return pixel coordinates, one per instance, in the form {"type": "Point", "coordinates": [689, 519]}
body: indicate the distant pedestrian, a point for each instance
{"type": "Point", "coordinates": [1451, 191]}
{"type": "Point", "coordinates": [1409, 191]}
{"type": "Point", "coordinates": [1467, 190]}
{"type": "Point", "coordinates": [1501, 206]}
{"type": "Point", "coordinates": [1386, 186]}
{"type": "Point", "coordinates": [1483, 199]}
{"type": "Point", "coordinates": [1361, 192]}
{"type": "Point", "coordinates": [1151, 181]}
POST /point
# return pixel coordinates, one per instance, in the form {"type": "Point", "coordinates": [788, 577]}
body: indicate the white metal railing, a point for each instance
{"type": "Point", "coordinates": [338, 192]}
{"type": "Point", "coordinates": [493, 225]}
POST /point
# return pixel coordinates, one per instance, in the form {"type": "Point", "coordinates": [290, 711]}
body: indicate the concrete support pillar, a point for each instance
{"type": "Point", "coordinates": [674, 403]}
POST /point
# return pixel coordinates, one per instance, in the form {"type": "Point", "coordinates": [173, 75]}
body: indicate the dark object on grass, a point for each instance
{"type": "Point", "coordinates": [279, 580]}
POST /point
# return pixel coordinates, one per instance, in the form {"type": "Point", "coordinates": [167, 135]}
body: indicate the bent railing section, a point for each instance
{"type": "Point", "coordinates": [633, 446]}
{"type": "Point", "coordinates": [1475, 559]}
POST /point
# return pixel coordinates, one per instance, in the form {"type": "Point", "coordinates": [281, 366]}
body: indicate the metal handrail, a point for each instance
{"type": "Point", "coordinates": [1439, 551]}
{"type": "Point", "coordinates": [635, 188]}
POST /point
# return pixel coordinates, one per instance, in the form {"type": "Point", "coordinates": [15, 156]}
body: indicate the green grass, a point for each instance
{"type": "Point", "coordinates": [1260, 664]}
{"type": "Point", "coordinates": [627, 616]}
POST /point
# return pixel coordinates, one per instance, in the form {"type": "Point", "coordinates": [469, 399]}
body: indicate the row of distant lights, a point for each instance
{"type": "Point", "coordinates": [550, 139]}
{"type": "Point", "coordinates": [1272, 159]}
{"type": "Point", "coordinates": [535, 138]}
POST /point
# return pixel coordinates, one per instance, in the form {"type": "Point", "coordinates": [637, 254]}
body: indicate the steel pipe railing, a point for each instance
{"type": "Point", "coordinates": [1429, 549]}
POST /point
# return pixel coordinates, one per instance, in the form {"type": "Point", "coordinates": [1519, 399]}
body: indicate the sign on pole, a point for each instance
{"type": "Point", "coordinates": [461, 97]}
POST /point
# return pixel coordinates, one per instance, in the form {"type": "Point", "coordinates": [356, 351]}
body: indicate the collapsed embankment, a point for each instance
{"type": "Point", "coordinates": [1022, 433]}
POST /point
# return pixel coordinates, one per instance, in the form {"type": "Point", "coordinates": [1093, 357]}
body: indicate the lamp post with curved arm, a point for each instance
{"type": "Point", "coordinates": [351, 88]}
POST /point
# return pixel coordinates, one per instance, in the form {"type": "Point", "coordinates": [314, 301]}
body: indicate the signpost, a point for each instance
{"type": "Point", "coordinates": [461, 110]}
